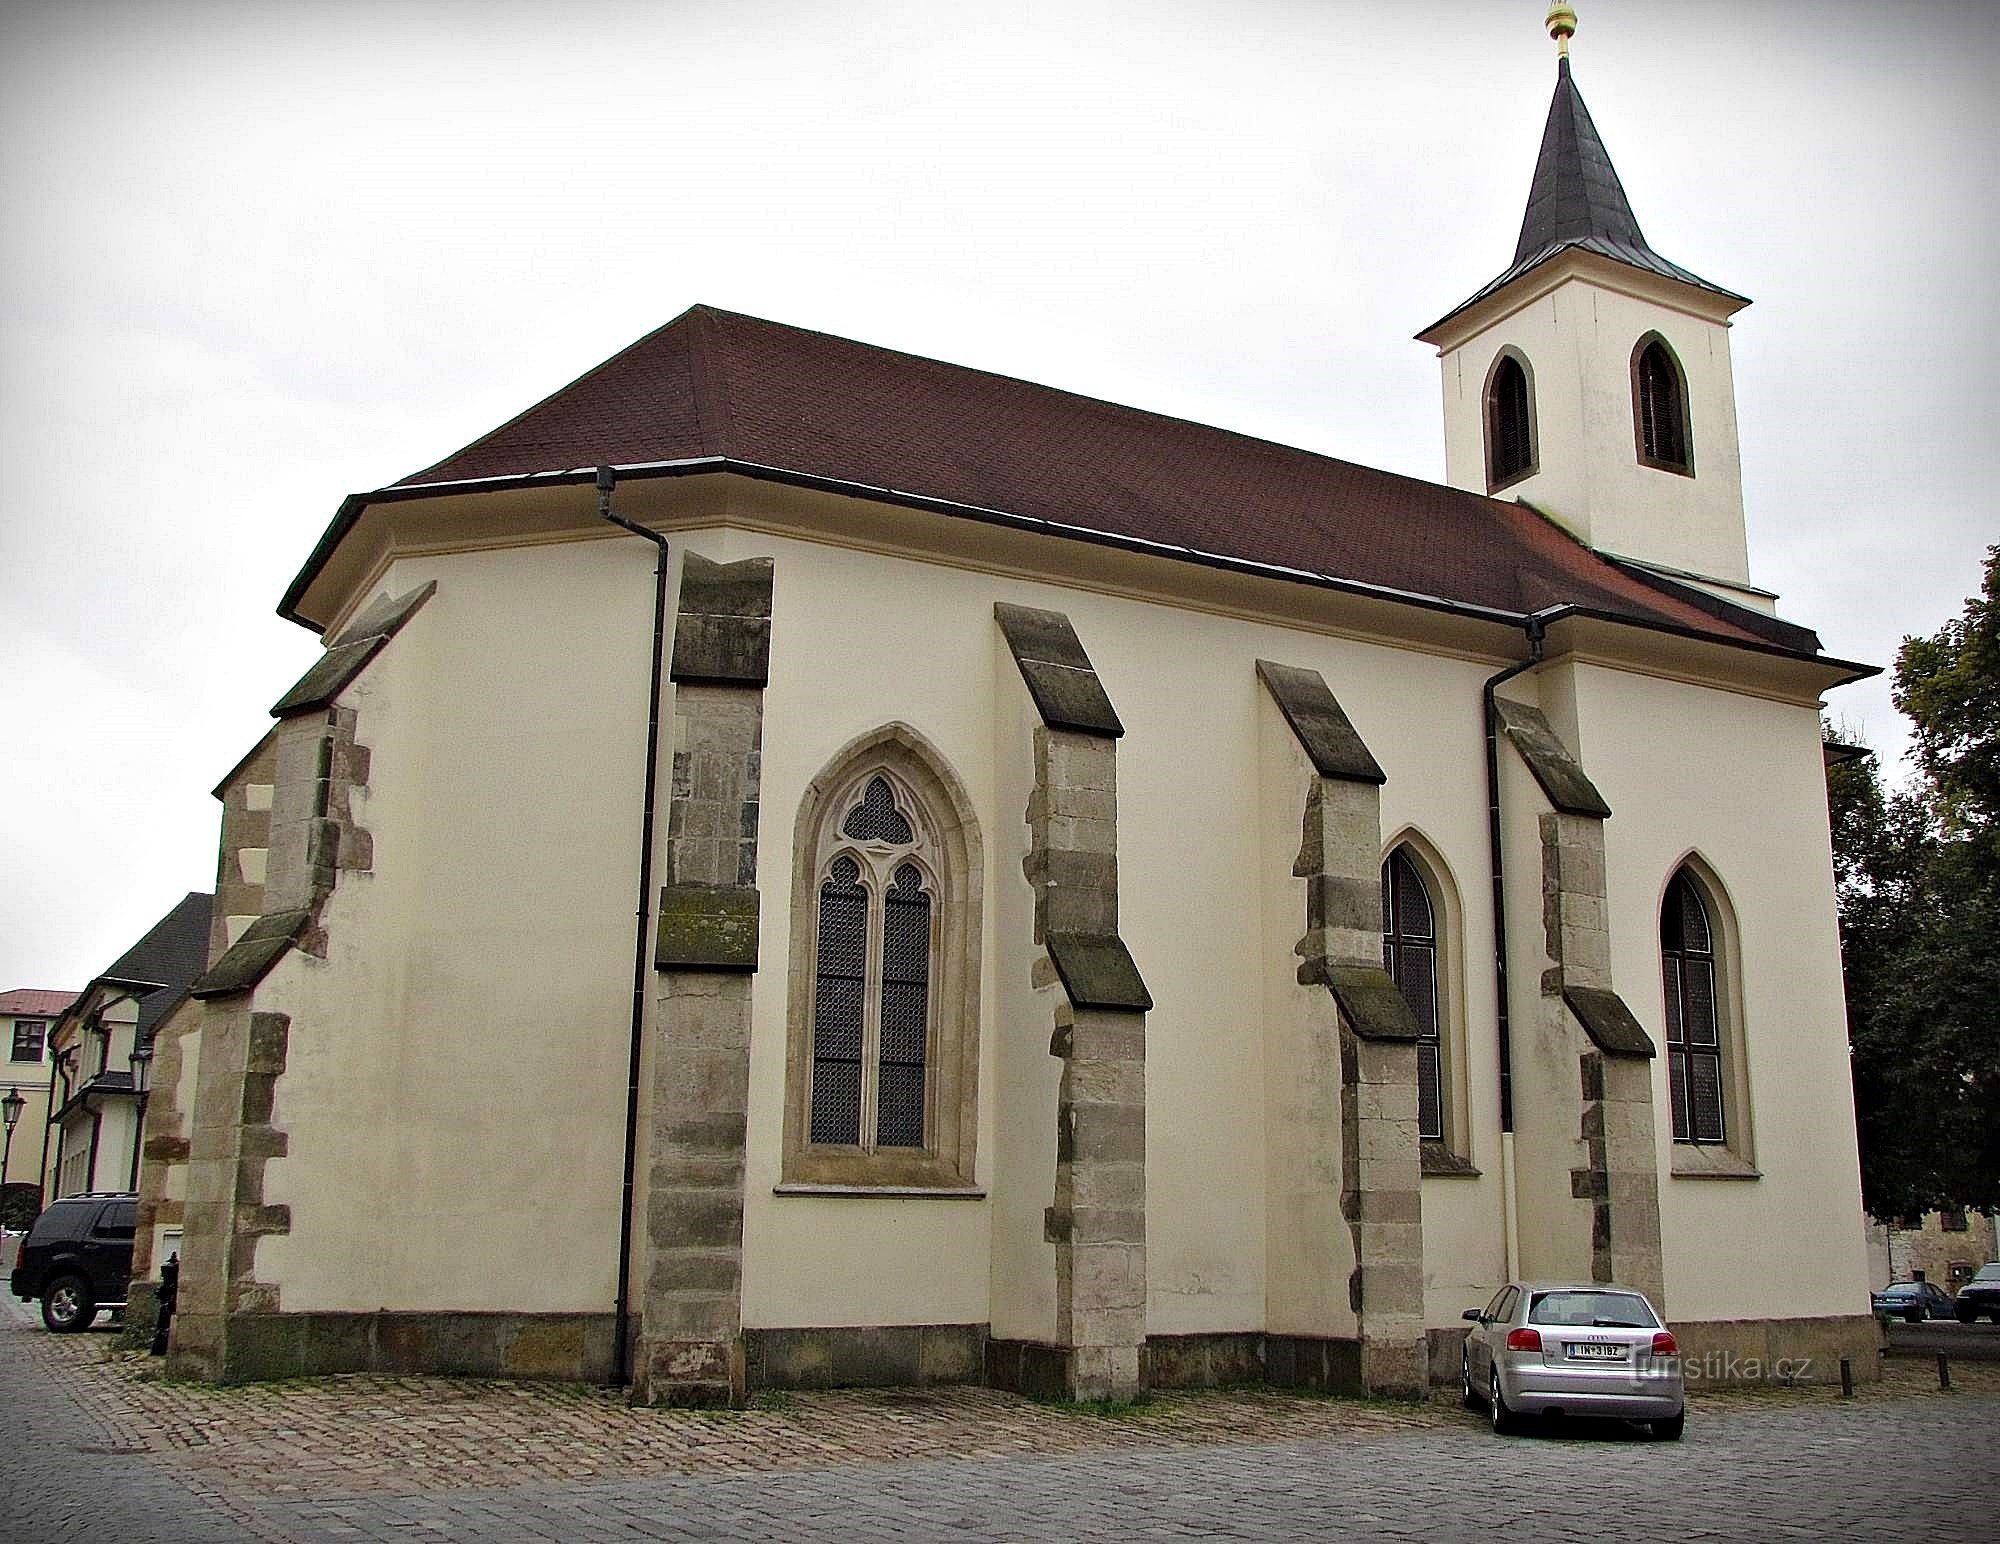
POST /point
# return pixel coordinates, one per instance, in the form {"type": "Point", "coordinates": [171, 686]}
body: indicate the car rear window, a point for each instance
{"type": "Point", "coordinates": [119, 1220]}
{"type": "Point", "coordinates": [60, 1222]}
{"type": "Point", "coordinates": [1599, 1310]}
{"type": "Point", "coordinates": [1988, 1273]}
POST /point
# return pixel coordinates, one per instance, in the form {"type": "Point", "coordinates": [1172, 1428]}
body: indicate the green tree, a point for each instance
{"type": "Point", "coordinates": [1918, 877]}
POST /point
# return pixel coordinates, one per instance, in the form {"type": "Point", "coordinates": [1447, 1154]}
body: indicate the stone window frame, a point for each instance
{"type": "Point", "coordinates": [1498, 478]}
{"type": "Point", "coordinates": [919, 773]}
{"type": "Point", "coordinates": [1452, 1155]}
{"type": "Point", "coordinates": [1677, 411]}
{"type": "Point", "coordinates": [1734, 1157]}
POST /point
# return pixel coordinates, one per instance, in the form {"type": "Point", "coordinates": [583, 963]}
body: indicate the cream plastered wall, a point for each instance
{"type": "Point", "coordinates": [454, 1094]}
{"type": "Point", "coordinates": [851, 649]}
{"type": "Point", "coordinates": [856, 642]}
{"type": "Point", "coordinates": [1018, 1154]}
{"type": "Point", "coordinates": [1578, 341]}
{"type": "Point", "coordinates": [1669, 759]}
{"type": "Point", "coordinates": [30, 1079]}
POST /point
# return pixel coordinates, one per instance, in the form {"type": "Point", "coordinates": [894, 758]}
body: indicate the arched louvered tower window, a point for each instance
{"type": "Point", "coordinates": [1659, 404]}
{"type": "Point", "coordinates": [1510, 423]}
{"type": "Point", "coordinates": [872, 974]}
{"type": "Point", "coordinates": [1410, 955]}
{"type": "Point", "coordinates": [1694, 1026]}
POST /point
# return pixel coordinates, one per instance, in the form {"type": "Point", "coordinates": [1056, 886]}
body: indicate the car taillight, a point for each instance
{"type": "Point", "coordinates": [1524, 1340]}
{"type": "Point", "coordinates": [1663, 1344]}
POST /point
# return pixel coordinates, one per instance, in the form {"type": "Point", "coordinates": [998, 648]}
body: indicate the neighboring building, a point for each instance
{"type": "Point", "coordinates": [98, 1092]}
{"type": "Point", "coordinates": [26, 1015]}
{"type": "Point", "coordinates": [1946, 1246]}
{"type": "Point", "coordinates": [1070, 930]}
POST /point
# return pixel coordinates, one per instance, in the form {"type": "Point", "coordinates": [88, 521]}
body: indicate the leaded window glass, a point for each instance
{"type": "Point", "coordinates": [1694, 1033]}
{"type": "Point", "coordinates": [1409, 954]}
{"type": "Point", "coordinates": [1510, 446]}
{"type": "Point", "coordinates": [872, 1019]}
{"type": "Point", "coordinates": [839, 982]}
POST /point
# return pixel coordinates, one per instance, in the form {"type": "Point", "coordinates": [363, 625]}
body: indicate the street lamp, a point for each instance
{"type": "Point", "coordinates": [10, 1110]}
{"type": "Point", "coordinates": [142, 1072]}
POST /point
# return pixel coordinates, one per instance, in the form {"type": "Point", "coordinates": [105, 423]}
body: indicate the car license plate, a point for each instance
{"type": "Point", "coordinates": [1595, 1351]}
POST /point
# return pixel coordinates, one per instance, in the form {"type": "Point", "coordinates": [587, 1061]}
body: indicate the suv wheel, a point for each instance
{"type": "Point", "coordinates": [67, 1305]}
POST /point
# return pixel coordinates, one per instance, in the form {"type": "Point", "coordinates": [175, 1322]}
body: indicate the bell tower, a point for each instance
{"type": "Point", "coordinates": [1592, 379]}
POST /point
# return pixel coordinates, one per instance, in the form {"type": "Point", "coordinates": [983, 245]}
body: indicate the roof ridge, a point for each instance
{"type": "Point", "coordinates": [534, 407]}
{"type": "Point", "coordinates": [706, 382]}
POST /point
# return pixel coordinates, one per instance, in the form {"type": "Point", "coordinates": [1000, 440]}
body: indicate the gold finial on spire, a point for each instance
{"type": "Point", "coordinates": [1562, 26]}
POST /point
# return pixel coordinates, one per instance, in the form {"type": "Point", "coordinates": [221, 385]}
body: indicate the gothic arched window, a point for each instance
{"type": "Point", "coordinates": [1659, 406]}
{"type": "Point", "coordinates": [1694, 1023]}
{"type": "Point", "coordinates": [1510, 423]}
{"type": "Point", "coordinates": [883, 1062]}
{"type": "Point", "coordinates": [1410, 955]}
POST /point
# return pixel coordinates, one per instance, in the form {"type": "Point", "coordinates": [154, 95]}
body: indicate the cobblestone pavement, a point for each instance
{"type": "Point", "coordinates": [93, 1445]}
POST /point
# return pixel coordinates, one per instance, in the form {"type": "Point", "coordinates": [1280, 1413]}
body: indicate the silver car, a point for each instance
{"type": "Point", "coordinates": [1573, 1348]}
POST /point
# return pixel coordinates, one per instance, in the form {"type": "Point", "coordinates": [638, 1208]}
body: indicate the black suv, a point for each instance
{"type": "Point", "coordinates": [78, 1258]}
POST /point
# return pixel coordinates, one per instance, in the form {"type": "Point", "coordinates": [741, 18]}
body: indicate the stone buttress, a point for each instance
{"type": "Point", "coordinates": [1617, 1167]}
{"type": "Point", "coordinates": [691, 1347]}
{"type": "Point", "coordinates": [292, 792]}
{"type": "Point", "coordinates": [1359, 1009]}
{"type": "Point", "coordinates": [1097, 1220]}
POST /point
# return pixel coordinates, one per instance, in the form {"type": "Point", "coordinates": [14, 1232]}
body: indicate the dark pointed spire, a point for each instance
{"type": "Point", "coordinates": [1576, 195]}
{"type": "Point", "coordinates": [1576, 202]}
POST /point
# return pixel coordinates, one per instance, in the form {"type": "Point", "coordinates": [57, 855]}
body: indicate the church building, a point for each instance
{"type": "Point", "coordinates": [805, 864]}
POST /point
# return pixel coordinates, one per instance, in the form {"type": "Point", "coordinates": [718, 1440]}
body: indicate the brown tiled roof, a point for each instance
{"type": "Point", "coordinates": [721, 385]}
{"type": "Point", "coordinates": [28, 1001]}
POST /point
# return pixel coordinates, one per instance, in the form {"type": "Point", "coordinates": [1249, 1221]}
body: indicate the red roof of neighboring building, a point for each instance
{"type": "Point", "coordinates": [715, 384]}
{"type": "Point", "coordinates": [33, 1002]}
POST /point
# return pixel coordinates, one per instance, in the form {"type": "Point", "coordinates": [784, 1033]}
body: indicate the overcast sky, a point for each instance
{"type": "Point", "coordinates": [259, 256]}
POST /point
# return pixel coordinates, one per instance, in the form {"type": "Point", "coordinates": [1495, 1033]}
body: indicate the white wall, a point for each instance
{"type": "Point", "coordinates": [455, 1090]}
{"type": "Point", "coordinates": [1670, 759]}
{"type": "Point", "coordinates": [1578, 340]}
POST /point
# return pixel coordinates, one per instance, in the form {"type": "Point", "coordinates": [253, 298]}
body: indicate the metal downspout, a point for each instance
{"type": "Point", "coordinates": [57, 1068]}
{"type": "Point", "coordinates": [1536, 626]}
{"type": "Point", "coordinates": [607, 478]}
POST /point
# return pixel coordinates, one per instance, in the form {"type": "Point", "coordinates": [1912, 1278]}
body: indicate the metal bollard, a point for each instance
{"type": "Point", "coordinates": [1846, 1378]}
{"type": "Point", "coordinates": [1944, 1372]}
{"type": "Point", "coordinates": [170, 1291]}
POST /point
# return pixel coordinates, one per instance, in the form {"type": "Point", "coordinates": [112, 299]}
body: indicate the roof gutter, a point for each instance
{"type": "Point", "coordinates": [352, 507]}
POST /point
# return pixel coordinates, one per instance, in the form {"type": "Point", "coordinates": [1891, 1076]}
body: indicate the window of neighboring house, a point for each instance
{"type": "Point", "coordinates": [883, 1061]}
{"type": "Point", "coordinates": [1410, 955]}
{"type": "Point", "coordinates": [1952, 1219]}
{"type": "Point", "coordinates": [1510, 423]}
{"type": "Point", "coordinates": [1694, 1024]}
{"type": "Point", "coordinates": [73, 1167]}
{"type": "Point", "coordinates": [1659, 405]}
{"type": "Point", "coordinates": [29, 1037]}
